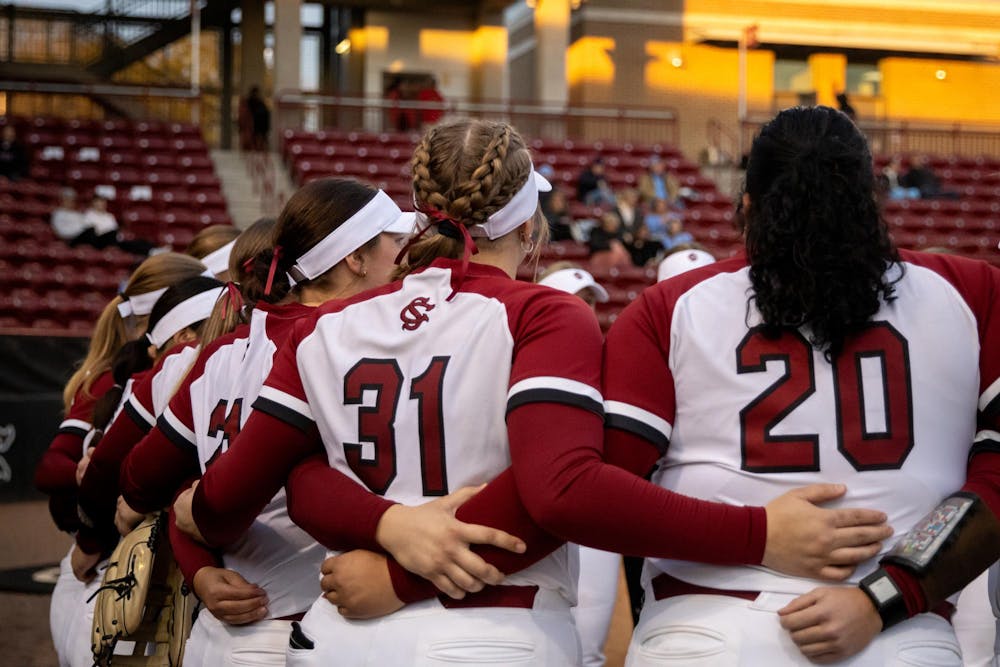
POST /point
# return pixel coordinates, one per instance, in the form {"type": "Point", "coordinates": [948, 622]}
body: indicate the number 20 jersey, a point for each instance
{"type": "Point", "coordinates": [742, 418]}
{"type": "Point", "coordinates": [409, 390]}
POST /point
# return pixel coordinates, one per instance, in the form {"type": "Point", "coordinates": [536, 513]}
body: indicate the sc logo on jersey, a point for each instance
{"type": "Point", "coordinates": [412, 316]}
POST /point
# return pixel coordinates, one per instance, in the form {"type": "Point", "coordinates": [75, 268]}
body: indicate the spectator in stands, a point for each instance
{"type": "Point", "coordinates": [923, 178]}
{"type": "Point", "coordinates": [101, 230]}
{"type": "Point", "coordinates": [260, 119]}
{"type": "Point", "coordinates": [592, 186]}
{"type": "Point", "coordinates": [891, 174]}
{"type": "Point", "coordinates": [400, 120]}
{"type": "Point", "coordinates": [656, 218]}
{"type": "Point", "coordinates": [429, 93]}
{"type": "Point", "coordinates": [658, 183]}
{"type": "Point", "coordinates": [627, 208]}
{"type": "Point", "coordinates": [606, 247]}
{"type": "Point", "coordinates": [13, 155]}
{"type": "Point", "coordinates": [676, 234]}
{"type": "Point", "coordinates": [642, 247]}
{"type": "Point", "coordinates": [67, 220]}
{"type": "Point", "coordinates": [556, 211]}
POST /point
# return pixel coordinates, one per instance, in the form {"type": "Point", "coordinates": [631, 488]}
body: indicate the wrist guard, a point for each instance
{"type": "Point", "coordinates": [917, 550]}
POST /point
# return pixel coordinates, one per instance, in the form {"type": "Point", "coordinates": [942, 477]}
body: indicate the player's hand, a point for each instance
{"type": "Point", "coordinates": [126, 518]}
{"type": "Point", "coordinates": [230, 597]}
{"type": "Point", "coordinates": [84, 564]}
{"type": "Point", "coordinates": [183, 516]}
{"type": "Point", "coordinates": [358, 584]}
{"type": "Point", "coordinates": [429, 541]}
{"type": "Point", "coordinates": [81, 466]}
{"type": "Point", "coordinates": [831, 624]}
{"type": "Point", "coordinates": [808, 541]}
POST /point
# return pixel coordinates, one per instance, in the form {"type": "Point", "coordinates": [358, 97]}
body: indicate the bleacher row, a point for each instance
{"type": "Point", "coordinates": [165, 189]}
{"type": "Point", "coordinates": [158, 177]}
{"type": "Point", "coordinates": [160, 184]}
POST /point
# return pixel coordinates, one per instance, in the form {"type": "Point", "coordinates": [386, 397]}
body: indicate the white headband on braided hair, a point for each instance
{"type": "Point", "coordinates": [512, 215]}
{"type": "Point", "coordinates": [139, 304]}
{"type": "Point", "coordinates": [379, 215]}
{"type": "Point", "coordinates": [193, 309]}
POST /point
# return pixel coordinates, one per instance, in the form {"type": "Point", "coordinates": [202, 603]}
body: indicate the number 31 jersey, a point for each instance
{"type": "Point", "coordinates": [409, 389]}
{"type": "Point", "coordinates": [742, 417]}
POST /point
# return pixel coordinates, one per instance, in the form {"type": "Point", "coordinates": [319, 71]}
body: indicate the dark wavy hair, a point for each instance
{"type": "Point", "coordinates": [816, 242]}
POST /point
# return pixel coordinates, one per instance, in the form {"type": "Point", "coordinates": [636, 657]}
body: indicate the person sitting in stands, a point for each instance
{"type": "Point", "coordinates": [642, 247]}
{"type": "Point", "coordinates": [658, 183]}
{"type": "Point", "coordinates": [96, 227]}
{"type": "Point", "coordinates": [13, 155]}
{"type": "Point", "coordinates": [556, 211]}
{"type": "Point", "coordinates": [592, 187]}
{"type": "Point", "coordinates": [891, 175]}
{"type": "Point", "coordinates": [922, 177]}
{"type": "Point", "coordinates": [606, 247]}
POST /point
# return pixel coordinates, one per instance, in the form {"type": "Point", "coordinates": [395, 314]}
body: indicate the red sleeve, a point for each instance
{"type": "Point", "coordinates": [191, 555]}
{"type": "Point", "coordinates": [314, 489]}
{"type": "Point", "coordinates": [57, 469]}
{"type": "Point", "coordinates": [243, 480]}
{"type": "Point", "coordinates": [99, 488]}
{"type": "Point", "coordinates": [153, 471]}
{"type": "Point", "coordinates": [571, 492]}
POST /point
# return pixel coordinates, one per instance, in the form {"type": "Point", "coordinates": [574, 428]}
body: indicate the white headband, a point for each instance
{"type": "Point", "coordinates": [514, 213]}
{"type": "Point", "coordinates": [187, 312]}
{"type": "Point", "coordinates": [218, 261]}
{"type": "Point", "coordinates": [379, 215]}
{"type": "Point", "coordinates": [139, 304]}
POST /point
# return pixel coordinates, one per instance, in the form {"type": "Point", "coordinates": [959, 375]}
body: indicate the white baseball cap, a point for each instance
{"type": "Point", "coordinates": [572, 281]}
{"type": "Point", "coordinates": [679, 262]}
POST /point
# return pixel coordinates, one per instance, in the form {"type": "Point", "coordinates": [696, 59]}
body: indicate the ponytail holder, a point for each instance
{"type": "Point", "coordinates": [271, 271]}
{"type": "Point", "coordinates": [234, 298]}
{"type": "Point", "coordinates": [451, 229]}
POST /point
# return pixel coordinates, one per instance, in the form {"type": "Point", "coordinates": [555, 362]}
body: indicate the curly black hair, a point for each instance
{"type": "Point", "coordinates": [818, 248]}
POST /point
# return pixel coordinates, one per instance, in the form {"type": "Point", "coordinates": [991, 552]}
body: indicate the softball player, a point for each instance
{"type": "Point", "coordinates": [210, 408]}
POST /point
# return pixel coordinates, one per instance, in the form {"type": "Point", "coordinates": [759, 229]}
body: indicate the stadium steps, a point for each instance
{"type": "Point", "coordinates": [251, 191]}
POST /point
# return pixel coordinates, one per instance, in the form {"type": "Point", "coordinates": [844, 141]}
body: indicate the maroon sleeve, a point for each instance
{"type": "Point", "coordinates": [314, 489]}
{"type": "Point", "coordinates": [99, 488]}
{"type": "Point", "coordinates": [57, 469]}
{"type": "Point", "coordinates": [572, 493]}
{"type": "Point", "coordinates": [242, 481]}
{"type": "Point", "coordinates": [152, 472]}
{"type": "Point", "coordinates": [191, 555]}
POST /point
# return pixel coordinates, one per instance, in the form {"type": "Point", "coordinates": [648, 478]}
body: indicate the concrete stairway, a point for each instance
{"type": "Point", "coordinates": [254, 185]}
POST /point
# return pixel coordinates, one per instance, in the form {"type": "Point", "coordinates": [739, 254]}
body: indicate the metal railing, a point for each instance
{"type": "Point", "coordinates": [888, 137]}
{"type": "Point", "coordinates": [645, 125]}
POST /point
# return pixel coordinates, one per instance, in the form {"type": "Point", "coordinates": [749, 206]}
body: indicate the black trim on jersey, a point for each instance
{"type": "Point", "coordinates": [73, 430]}
{"type": "Point", "coordinates": [985, 447]}
{"type": "Point", "coordinates": [992, 409]}
{"type": "Point", "coordinates": [548, 395]}
{"type": "Point", "coordinates": [284, 413]}
{"type": "Point", "coordinates": [636, 427]}
{"type": "Point", "coordinates": [137, 417]}
{"type": "Point", "coordinates": [175, 436]}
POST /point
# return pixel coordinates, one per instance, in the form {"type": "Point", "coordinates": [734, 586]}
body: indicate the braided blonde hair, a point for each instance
{"type": "Point", "coordinates": [466, 170]}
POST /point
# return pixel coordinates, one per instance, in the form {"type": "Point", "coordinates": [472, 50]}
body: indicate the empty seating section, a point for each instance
{"type": "Point", "coordinates": [160, 184]}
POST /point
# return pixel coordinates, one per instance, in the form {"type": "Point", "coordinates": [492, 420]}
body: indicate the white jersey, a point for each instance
{"type": "Point", "coordinates": [742, 418]}
{"type": "Point", "coordinates": [206, 414]}
{"type": "Point", "coordinates": [150, 395]}
{"type": "Point", "coordinates": [418, 410]}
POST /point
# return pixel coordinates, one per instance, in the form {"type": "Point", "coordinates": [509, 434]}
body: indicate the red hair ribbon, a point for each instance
{"type": "Point", "coordinates": [234, 298]}
{"type": "Point", "coordinates": [271, 271]}
{"type": "Point", "coordinates": [443, 220]}
{"type": "Point", "coordinates": [248, 265]}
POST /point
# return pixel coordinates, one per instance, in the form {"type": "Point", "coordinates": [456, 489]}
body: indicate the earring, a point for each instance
{"type": "Point", "coordinates": [527, 246]}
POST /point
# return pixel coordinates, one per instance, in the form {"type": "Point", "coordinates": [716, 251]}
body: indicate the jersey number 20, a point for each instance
{"type": "Point", "coordinates": [377, 423]}
{"type": "Point", "coordinates": [764, 451]}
